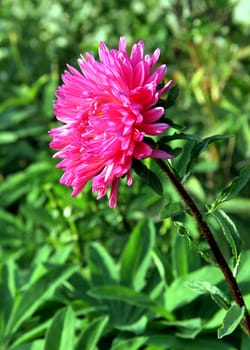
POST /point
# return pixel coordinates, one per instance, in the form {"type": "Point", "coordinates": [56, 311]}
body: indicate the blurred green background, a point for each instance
{"type": "Point", "coordinates": [206, 46]}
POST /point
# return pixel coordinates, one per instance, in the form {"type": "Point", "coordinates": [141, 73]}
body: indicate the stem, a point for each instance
{"type": "Point", "coordinates": [204, 228]}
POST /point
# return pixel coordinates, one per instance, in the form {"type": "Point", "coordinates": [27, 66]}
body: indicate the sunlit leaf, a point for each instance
{"type": "Point", "coordinates": [136, 256]}
{"type": "Point", "coordinates": [60, 335]}
{"type": "Point", "coordinates": [183, 230]}
{"type": "Point", "coordinates": [234, 187]}
{"type": "Point", "coordinates": [203, 287]}
{"type": "Point", "coordinates": [102, 267]}
{"type": "Point", "coordinates": [173, 342]}
{"type": "Point", "coordinates": [187, 329]}
{"type": "Point", "coordinates": [15, 185]}
{"type": "Point", "coordinates": [131, 344]}
{"type": "Point", "coordinates": [131, 297]}
{"type": "Point", "coordinates": [33, 297]}
{"type": "Point", "coordinates": [202, 146]}
{"type": "Point", "coordinates": [34, 345]}
{"type": "Point", "coordinates": [8, 137]}
{"type": "Point", "coordinates": [181, 162]}
{"type": "Point", "coordinates": [31, 334]}
{"type": "Point", "coordinates": [178, 294]}
{"type": "Point", "coordinates": [231, 320]}
{"type": "Point", "coordinates": [172, 209]}
{"type": "Point", "coordinates": [230, 231]}
{"type": "Point", "coordinates": [90, 336]}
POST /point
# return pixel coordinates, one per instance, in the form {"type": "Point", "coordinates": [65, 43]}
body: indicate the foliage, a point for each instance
{"type": "Point", "coordinates": [75, 274]}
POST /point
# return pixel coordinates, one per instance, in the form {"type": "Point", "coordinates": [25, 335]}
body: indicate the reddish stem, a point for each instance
{"type": "Point", "coordinates": [204, 228]}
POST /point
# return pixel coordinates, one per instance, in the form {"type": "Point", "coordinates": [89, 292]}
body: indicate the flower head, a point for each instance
{"type": "Point", "coordinates": [106, 111]}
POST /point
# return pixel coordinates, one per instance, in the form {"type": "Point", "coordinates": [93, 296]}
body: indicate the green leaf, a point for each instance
{"type": "Point", "coordinates": [135, 320]}
{"type": "Point", "coordinates": [77, 286]}
{"type": "Point", "coordinates": [187, 329]}
{"type": "Point", "coordinates": [203, 287]}
{"type": "Point", "coordinates": [238, 205]}
{"type": "Point", "coordinates": [131, 344]}
{"type": "Point", "coordinates": [173, 342]}
{"type": "Point", "coordinates": [243, 137]}
{"type": "Point", "coordinates": [11, 120]}
{"type": "Point", "coordinates": [202, 146]}
{"type": "Point", "coordinates": [32, 333]}
{"type": "Point", "coordinates": [5, 306]}
{"type": "Point", "coordinates": [230, 231]}
{"type": "Point", "coordinates": [243, 271]}
{"type": "Point", "coordinates": [7, 290]}
{"type": "Point", "coordinates": [180, 254]}
{"type": "Point", "coordinates": [8, 278]}
{"type": "Point", "coordinates": [215, 320]}
{"type": "Point", "coordinates": [49, 93]}
{"type": "Point", "coordinates": [34, 345]}
{"type": "Point", "coordinates": [26, 94]}
{"type": "Point", "coordinates": [102, 267]}
{"type": "Point", "coordinates": [35, 295]}
{"type": "Point", "coordinates": [183, 230]}
{"type": "Point", "coordinates": [234, 187]}
{"type": "Point", "coordinates": [172, 124]}
{"type": "Point", "coordinates": [60, 335]}
{"type": "Point", "coordinates": [136, 256]}
{"type": "Point", "coordinates": [178, 136]}
{"type": "Point", "coordinates": [173, 93]}
{"type": "Point", "coordinates": [178, 294]}
{"type": "Point", "coordinates": [130, 297]}
{"type": "Point", "coordinates": [8, 137]}
{"type": "Point", "coordinates": [16, 185]}
{"type": "Point", "coordinates": [231, 320]}
{"type": "Point", "coordinates": [103, 271]}
{"type": "Point", "coordinates": [172, 209]}
{"type": "Point", "coordinates": [180, 163]}
{"type": "Point", "coordinates": [91, 335]}
{"type": "Point", "coordinates": [244, 341]}
{"type": "Point", "coordinates": [61, 255]}
{"type": "Point", "coordinates": [147, 176]}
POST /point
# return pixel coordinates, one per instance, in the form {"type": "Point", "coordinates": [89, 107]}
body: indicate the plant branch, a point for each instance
{"type": "Point", "coordinates": [204, 228]}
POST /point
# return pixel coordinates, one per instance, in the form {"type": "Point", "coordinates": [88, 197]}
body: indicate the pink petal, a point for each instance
{"type": "Point", "coordinates": [106, 108]}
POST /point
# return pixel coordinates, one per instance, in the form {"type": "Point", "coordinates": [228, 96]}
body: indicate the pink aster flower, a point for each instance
{"type": "Point", "coordinates": [106, 111]}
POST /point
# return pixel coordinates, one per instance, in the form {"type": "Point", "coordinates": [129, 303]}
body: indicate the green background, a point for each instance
{"type": "Point", "coordinates": [54, 249]}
